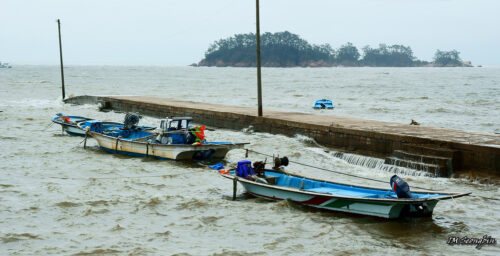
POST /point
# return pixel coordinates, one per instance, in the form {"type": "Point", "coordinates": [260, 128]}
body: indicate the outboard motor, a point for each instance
{"type": "Point", "coordinates": [400, 187]}
{"type": "Point", "coordinates": [280, 162]}
{"type": "Point", "coordinates": [259, 168]}
{"type": "Point", "coordinates": [130, 121]}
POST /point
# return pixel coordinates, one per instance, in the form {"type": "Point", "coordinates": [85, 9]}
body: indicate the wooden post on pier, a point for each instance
{"type": "Point", "coordinates": [259, 81]}
{"type": "Point", "coordinates": [61, 58]}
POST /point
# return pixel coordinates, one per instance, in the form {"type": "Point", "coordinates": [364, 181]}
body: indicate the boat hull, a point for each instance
{"type": "Point", "coordinates": [70, 127]}
{"type": "Point", "coordinates": [339, 197]}
{"type": "Point", "coordinates": [163, 151]}
{"type": "Point", "coordinates": [73, 130]}
{"type": "Point", "coordinates": [382, 209]}
{"type": "Point", "coordinates": [73, 127]}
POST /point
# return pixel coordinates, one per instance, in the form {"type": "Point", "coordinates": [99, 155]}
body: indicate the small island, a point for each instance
{"type": "Point", "coordinates": [285, 49]}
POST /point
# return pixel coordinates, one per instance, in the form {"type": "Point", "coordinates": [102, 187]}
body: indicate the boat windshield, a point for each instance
{"type": "Point", "coordinates": [178, 124]}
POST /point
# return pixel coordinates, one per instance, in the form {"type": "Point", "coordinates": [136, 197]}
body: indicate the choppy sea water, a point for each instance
{"type": "Point", "coordinates": [58, 198]}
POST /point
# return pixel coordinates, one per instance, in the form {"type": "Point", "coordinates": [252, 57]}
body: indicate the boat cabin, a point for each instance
{"type": "Point", "coordinates": [175, 130]}
{"type": "Point", "coordinates": [175, 123]}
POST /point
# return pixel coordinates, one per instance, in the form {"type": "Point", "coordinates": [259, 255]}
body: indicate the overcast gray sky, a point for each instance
{"type": "Point", "coordinates": [179, 32]}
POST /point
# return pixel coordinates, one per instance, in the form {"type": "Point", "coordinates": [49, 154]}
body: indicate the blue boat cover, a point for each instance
{"type": "Point", "coordinates": [244, 169]}
{"type": "Point", "coordinates": [217, 166]}
{"type": "Point", "coordinates": [177, 138]}
{"type": "Point", "coordinates": [323, 104]}
{"type": "Point", "coordinates": [95, 126]}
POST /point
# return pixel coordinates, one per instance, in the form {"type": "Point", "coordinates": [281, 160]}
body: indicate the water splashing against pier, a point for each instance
{"type": "Point", "coordinates": [364, 161]}
{"type": "Point", "coordinates": [378, 164]}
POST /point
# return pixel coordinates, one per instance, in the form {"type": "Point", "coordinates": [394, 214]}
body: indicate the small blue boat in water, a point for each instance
{"type": "Point", "coordinates": [323, 104]}
{"type": "Point", "coordinates": [396, 202]}
{"type": "Point", "coordinates": [70, 124]}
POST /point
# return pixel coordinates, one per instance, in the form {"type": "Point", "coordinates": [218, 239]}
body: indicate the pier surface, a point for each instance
{"type": "Point", "coordinates": [444, 151]}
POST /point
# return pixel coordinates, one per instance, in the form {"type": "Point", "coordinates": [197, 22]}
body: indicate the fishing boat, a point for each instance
{"type": "Point", "coordinates": [277, 184]}
{"type": "Point", "coordinates": [69, 124]}
{"type": "Point", "coordinates": [323, 104]}
{"type": "Point", "coordinates": [5, 65]}
{"type": "Point", "coordinates": [176, 141]}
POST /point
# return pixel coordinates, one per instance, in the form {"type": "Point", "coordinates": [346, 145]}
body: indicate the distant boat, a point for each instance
{"type": "Point", "coordinates": [323, 104]}
{"type": "Point", "coordinates": [176, 141]}
{"type": "Point", "coordinates": [276, 184]}
{"type": "Point", "coordinates": [5, 65]}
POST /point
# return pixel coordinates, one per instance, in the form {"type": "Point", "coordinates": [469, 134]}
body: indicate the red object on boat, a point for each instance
{"type": "Point", "coordinates": [222, 171]}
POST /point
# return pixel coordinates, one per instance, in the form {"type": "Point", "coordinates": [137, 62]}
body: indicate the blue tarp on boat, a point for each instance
{"type": "Point", "coordinates": [244, 169]}
{"type": "Point", "coordinates": [217, 166]}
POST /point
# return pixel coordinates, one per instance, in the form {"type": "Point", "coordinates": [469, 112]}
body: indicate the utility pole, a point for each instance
{"type": "Point", "coordinates": [61, 58]}
{"type": "Point", "coordinates": [259, 80]}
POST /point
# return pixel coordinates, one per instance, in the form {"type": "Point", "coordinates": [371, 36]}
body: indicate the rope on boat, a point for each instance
{"type": "Point", "coordinates": [324, 169]}
{"type": "Point", "coordinates": [352, 175]}
{"type": "Point", "coordinates": [145, 138]}
{"type": "Point", "coordinates": [86, 136]}
{"type": "Point", "coordinates": [116, 144]}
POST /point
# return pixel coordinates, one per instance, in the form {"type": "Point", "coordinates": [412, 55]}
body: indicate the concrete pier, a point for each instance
{"type": "Point", "coordinates": [445, 152]}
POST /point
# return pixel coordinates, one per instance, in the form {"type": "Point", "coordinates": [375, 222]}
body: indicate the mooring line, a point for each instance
{"type": "Point", "coordinates": [360, 177]}
{"type": "Point", "coordinates": [324, 169]}
{"type": "Point", "coordinates": [48, 126]}
{"type": "Point", "coordinates": [124, 177]}
{"type": "Point", "coordinates": [484, 197]}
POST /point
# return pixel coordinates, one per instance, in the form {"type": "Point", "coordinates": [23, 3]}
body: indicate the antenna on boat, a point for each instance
{"type": "Point", "coordinates": [61, 58]}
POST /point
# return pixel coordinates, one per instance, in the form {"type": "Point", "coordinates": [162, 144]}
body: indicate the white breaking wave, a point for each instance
{"type": "Point", "coordinates": [364, 161]}
{"type": "Point", "coordinates": [378, 164]}
{"type": "Point", "coordinates": [36, 103]}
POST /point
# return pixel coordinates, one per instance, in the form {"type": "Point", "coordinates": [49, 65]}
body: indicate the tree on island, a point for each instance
{"type": "Point", "coordinates": [447, 58]}
{"type": "Point", "coordinates": [281, 49]}
{"type": "Point", "coordinates": [284, 49]}
{"type": "Point", "coordinates": [348, 55]}
{"type": "Point", "coordinates": [388, 56]}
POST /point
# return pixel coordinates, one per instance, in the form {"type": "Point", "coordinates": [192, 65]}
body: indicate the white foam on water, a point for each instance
{"type": "Point", "coordinates": [363, 161]}
{"type": "Point", "coordinates": [35, 103]}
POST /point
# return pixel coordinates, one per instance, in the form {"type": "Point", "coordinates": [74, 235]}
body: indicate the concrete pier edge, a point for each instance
{"type": "Point", "coordinates": [469, 153]}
